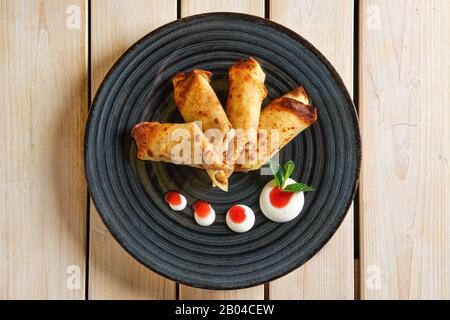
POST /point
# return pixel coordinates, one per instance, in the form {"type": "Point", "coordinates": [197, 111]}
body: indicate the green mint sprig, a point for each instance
{"type": "Point", "coordinates": [282, 174]}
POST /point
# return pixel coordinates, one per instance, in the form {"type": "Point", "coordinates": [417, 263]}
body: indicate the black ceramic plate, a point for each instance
{"type": "Point", "coordinates": [129, 194]}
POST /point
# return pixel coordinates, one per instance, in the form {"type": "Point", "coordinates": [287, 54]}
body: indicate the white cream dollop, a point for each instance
{"type": "Point", "coordinates": [206, 221]}
{"type": "Point", "coordinates": [290, 211]}
{"type": "Point", "coordinates": [246, 224]}
{"type": "Point", "coordinates": [180, 206]}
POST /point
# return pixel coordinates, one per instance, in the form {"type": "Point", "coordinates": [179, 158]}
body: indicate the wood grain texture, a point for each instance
{"type": "Point", "coordinates": [116, 25]}
{"type": "Point", "coordinates": [191, 7]}
{"type": "Point", "coordinates": [404, 109]}
{"type": "Point", "coordinates": [43, 94]}
{"type": "Point", "coordinates": [328, 25]}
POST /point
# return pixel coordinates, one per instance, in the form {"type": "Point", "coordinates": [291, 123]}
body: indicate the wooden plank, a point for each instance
{"type": "Point", "coordinates": [116, 25]}
{"type": "Point", "coordinates": [405, 118]}
{"type": "Point", "coordinates": [43, 94]}
{"type": "Point", "coordinates": [191, 7]}
{"type": "Point", "coordinates": [328, 25]}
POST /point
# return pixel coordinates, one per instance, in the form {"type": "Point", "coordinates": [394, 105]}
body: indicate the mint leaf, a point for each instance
{"type": "Point", "coordinates": [277, 172]}
{"type": "Point", "coordinates": [298, 187]}
{"type": "Point", "coordinates": [288, 168]}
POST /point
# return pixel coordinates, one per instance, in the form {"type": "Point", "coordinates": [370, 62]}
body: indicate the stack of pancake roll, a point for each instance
{"type": "Point", "coordinates": [240, 137]}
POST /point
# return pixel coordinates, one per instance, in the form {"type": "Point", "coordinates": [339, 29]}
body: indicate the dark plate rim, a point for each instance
{"type": "Point", "coordinates": [292, 34]}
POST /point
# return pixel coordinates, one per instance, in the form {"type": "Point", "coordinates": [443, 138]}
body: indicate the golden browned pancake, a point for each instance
{"type": "Point", "coordinates": [280, 122]}
{"type": "Point", "coordinates": [197, 101]}
{"type": "Point", "coordinates": [179, 143]}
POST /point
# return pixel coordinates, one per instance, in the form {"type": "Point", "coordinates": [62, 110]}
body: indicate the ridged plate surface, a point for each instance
{"type": "Point", "coordinates": [129, 194]}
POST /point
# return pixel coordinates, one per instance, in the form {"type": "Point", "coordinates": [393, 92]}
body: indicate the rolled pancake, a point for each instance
{"type": "Point", "coordinates": [245, 96]}
{"type": "Point", "coordinates": [197, 101]}
{"type": "Point", "coordinates": [280, 122]}
{"type": "Point", "coordinates": [179, 143]}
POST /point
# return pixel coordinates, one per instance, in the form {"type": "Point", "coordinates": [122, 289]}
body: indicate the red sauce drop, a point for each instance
{"type": "Point", "coordinates": [202, 208]}
{"type": "Point", "coordinates": [173, 197]}
{"type": "Point", "coordinates": [237, 214]}
{"type": "Point", "coordinates": [280, 198]}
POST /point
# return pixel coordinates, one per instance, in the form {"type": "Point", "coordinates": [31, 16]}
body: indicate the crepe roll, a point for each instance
{"type": "Point", "coordinates": [179, 143]}
{"type": "Point", "coordinates": [245, 96]}
{"type": "Point", "coordinates": [280, 122]}
{"type": "Point", "coordinates": [197, 101]}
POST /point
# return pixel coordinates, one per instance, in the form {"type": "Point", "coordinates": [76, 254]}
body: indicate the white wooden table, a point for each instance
{"type": "Point", "coordinates": [394, 58]}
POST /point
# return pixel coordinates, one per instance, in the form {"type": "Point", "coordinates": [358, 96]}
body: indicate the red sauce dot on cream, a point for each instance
{"type": "Point", "coordinates": [202, 208]}
{"type": "Point", "coordinates": [173, 198]}
{"type": "Point", "coordinates": [237, 214]}
{"type": "Point", "coordinates": [280, 198]}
